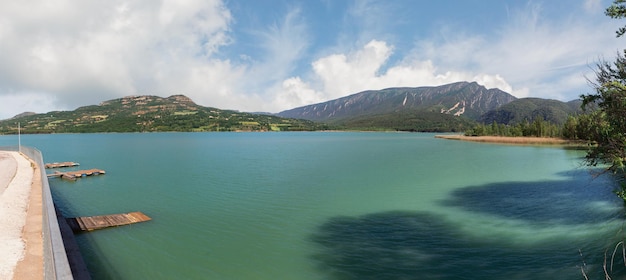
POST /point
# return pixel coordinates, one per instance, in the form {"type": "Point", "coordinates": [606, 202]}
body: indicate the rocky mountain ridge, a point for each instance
{"type": "Point", "coordinates": [459, 99]}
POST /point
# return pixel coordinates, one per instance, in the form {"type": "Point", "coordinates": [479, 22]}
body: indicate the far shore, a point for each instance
{"type": "Point", "coordinates": [514, 140]}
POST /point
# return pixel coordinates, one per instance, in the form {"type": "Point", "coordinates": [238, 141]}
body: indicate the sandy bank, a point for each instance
{"type": "Point", "coordinates": [513, 140]}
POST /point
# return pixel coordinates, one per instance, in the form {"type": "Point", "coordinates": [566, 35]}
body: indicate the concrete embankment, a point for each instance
{"type": "Point", "coordinates": [37, 244]}
{"type": "Point", "coordinates": [16, 184]}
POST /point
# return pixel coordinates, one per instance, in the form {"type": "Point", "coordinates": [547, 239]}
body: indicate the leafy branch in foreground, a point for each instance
{"type": "Point", "coordinates": [609, 132]}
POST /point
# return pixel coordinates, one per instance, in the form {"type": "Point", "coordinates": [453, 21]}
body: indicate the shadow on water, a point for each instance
{"type": "Point", "coordinates": [579, 200]}
{"type": "Point", "coordinates": [99, 267]}
{"type": "Point", "coordinates": [419, 245]}
{"type": "Point", "coordinates": [423, 245]}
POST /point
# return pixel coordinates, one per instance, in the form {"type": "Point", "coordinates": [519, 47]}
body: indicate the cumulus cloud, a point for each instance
{"type": "Point", "coordinates": [530, 55]}
{"type": "Point", "coordinates": [343, 74]}
{"type": "Point", "coordinates": [64, 54]}
{"type": "Point", "coordinates": [75, 54]}
{"type": "Point", "coordinates": [294, 93]}
{"type": "Point", "coordinates": [538, 56]}
{"type": "Point", "coordinates": [78, 53]}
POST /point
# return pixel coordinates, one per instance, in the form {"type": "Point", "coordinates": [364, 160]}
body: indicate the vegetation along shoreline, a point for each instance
{"type": "Point", "coordinates": [517, 140]}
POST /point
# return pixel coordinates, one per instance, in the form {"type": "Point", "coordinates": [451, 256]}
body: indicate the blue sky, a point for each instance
{"type": "Point", "coordinates": [273, 55]}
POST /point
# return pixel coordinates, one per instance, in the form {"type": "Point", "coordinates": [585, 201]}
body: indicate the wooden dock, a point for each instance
{"type": "Point", "coordinates": [61, 164]}
{"type": "Point", "coordinates": [99, 222]}
{"type": "Point", "coordinates": [73, 175]}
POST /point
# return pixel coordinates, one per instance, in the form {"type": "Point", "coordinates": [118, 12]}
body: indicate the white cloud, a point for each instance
{"type": "Point", "coordinates": [13, 104]}
{"type": "Point", "coordinates": [493, 81]}
{"type": "Point", "coordinates": [79, 53]}
{"type": "Point", "coordinates": [68, 54]}
{"type": "Point", "coordinates": [593, 5]}
{"type": "Point", "coordinates": [294, 93]}
{"type": "Point", "coordinates": [536, 55]}
{"type": "Point", "coordinates": [283, 43]}
{"type": "Point", "coordinates": [343, 74]}
{"type": "Point", "coordinates": [531, 55]}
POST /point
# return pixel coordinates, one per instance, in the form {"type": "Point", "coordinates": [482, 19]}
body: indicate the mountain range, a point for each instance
{"type": "Point", "coordinates": [458, 99]}
{"type": "Point", "coordinates": [453, 107]}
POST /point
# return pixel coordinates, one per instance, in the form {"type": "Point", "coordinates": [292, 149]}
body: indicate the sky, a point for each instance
{"type": "Point", "coordinates": [274, 55]}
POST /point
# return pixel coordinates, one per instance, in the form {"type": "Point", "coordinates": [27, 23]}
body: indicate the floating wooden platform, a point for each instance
{"type": "Point", "coordinates": [99, 222]}
{"type": "Point", "coordinates": [61, 164]}
{"type": "Point", "coordinates": [73, 175]}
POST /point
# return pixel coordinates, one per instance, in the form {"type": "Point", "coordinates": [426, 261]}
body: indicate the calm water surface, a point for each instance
{"type": "Point", "coordinates": [335, 206]}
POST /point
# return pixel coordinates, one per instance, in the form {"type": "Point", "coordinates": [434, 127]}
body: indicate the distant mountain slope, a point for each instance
{"type": "Point", "coordinates": [150, 113]}
{"type": "Point", "coordinates": [529, 109]}
{"type": "Point", "coordinates": [25, 114]}
{"type": "Point", "coordinates": [420, 121]}
{"type": "Point", "coordinates": [460, 99]}
{"type": "Point", "coordinates": [452, 107]}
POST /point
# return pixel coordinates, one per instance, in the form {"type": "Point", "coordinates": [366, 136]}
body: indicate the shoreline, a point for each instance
{"type": "Point", "coordinates": [514, 140]}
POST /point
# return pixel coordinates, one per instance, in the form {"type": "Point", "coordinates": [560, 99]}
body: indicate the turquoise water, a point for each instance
{"type": "Point", "coordinates": [335, 206]}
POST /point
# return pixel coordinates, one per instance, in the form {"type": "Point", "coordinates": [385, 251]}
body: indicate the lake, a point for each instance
{"type": "Point", "coordinates": [335, 205]}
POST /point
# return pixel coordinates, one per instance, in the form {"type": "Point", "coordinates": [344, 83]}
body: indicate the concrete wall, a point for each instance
{"type": "Point", "coordinates": [56, 264]}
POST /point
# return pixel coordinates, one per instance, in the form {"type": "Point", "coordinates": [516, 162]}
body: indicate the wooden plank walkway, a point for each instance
{"type": "Point", "coordinates": [79, 224]}
{"type": "Point", "coordinates": [73, 175]}
{"type": "Point", "coordinates": [61, 164]}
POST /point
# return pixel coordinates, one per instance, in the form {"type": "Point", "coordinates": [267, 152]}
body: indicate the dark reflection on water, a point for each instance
{"type": "Point", "coordinates": [98, 265]}
{"type": "Point", "coordinates": [574, 201]}
{"type": "Point", "coordinates": [418, 245]}
{"type": "Point", "coordinates": [422, 245]}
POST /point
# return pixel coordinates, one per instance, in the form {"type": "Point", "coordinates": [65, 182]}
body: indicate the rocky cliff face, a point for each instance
{"type": "Point", "coordinates": [462, 98]}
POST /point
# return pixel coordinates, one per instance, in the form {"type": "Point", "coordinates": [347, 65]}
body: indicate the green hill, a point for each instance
{"type": "Point", "coordinates": [530, 109]}
{"type": "Point", "coordinates": [420, 121]}
{"type": "Point", "coordinates": [151, 114]}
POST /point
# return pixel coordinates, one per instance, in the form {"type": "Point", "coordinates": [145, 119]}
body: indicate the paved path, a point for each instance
{"type": "Point", "coordinates": [8, 167]}
{"type": "Point", "coordinates": [20, 243]}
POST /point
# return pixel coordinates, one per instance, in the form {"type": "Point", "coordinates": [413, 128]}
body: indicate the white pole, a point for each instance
{"type": "Point", "coordinates": [19, 138]}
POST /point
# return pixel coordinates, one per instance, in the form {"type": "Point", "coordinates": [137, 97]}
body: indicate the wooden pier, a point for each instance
{"type": "Point", "coordinates": [61, 164]}
{"type": "Point", "coordinates": [73, 175]}
{"type": "Point", "coordinates": [99, 222]}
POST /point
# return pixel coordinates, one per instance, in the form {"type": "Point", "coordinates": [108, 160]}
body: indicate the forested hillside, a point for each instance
{"type": "Point", "coordinates": [530, 109]}
{"type": "Point", "coordinates": [151, 114]}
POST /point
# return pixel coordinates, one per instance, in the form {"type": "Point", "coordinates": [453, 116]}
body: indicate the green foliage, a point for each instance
{"type": "Point", "coordinates": [617, 10]}
{"type": "Point", "coordinates": [538, 128]}
{"type": "Point", "coordinates": [416, 121]}
{"type": "Point", "coordinates": [607, 126]}
{"type": "Point", "coordinates": [529, 109]}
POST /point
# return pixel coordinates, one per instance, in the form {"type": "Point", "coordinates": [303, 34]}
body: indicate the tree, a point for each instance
{"type": "Point", "coordinates": [617, 10]}
{"type": "Point", "coordinates": [609, 130]}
